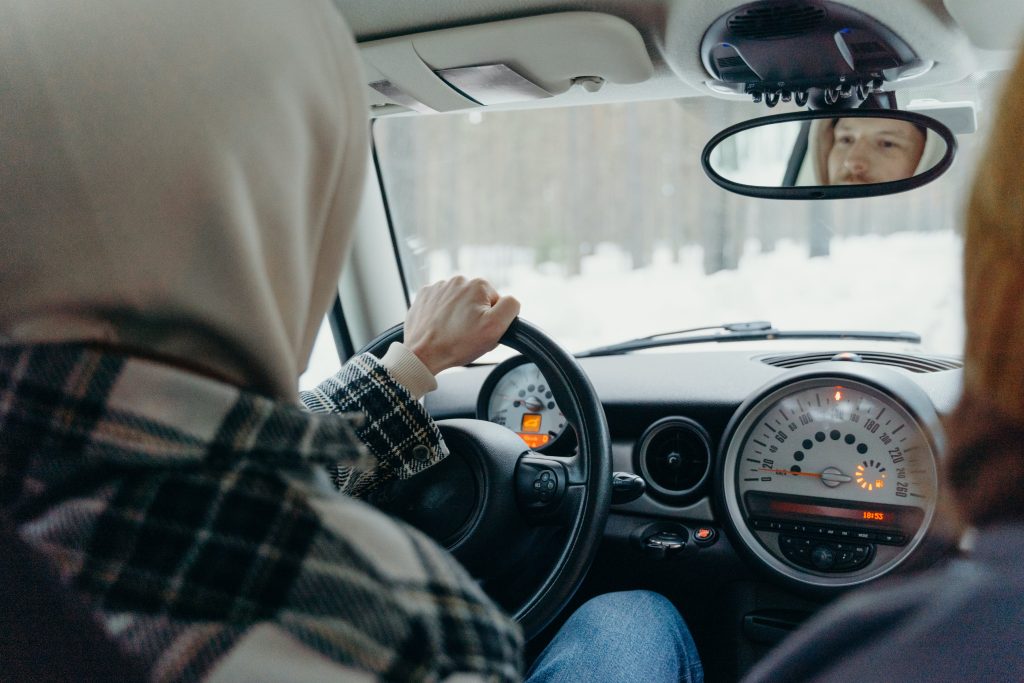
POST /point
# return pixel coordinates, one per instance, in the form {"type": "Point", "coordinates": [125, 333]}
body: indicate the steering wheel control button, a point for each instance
{"type": "Point", "coordinates": [705, 536]}
{"type": "Point", "coordinates": [540, 483]}
{"type": "Point", "coordinates": [545, 485]}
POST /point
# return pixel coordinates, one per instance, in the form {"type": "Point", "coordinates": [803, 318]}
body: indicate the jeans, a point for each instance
{"type": "Point", "coordinates": [633, 636]}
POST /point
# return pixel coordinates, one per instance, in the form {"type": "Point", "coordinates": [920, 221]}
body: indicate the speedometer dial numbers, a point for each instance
{"type": "Point", "coordinates": [839, 440]}
{"type": "Point", "coordinates": [831, 480]}
{"type": "Point", "coordinates": [517, 396]}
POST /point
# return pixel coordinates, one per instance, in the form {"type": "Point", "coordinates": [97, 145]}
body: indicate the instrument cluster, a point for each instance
{"type": "Point", "coordinates": [517, 396]}
{"type": "Point", "coordinates": [829, 477]}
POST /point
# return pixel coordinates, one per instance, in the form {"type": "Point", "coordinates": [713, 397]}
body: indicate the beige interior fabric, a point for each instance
{"type": "Point", "coordinates": [178, 177]}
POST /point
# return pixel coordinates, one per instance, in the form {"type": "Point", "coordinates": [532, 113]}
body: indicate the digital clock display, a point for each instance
{"type": "Point", "coordinates": [823, 511]}
{"type": "Point", "coordinates": [784, 506]}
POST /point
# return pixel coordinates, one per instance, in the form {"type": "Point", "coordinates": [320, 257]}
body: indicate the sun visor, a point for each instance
{"type": "Point", "coordinates": [500, 62]}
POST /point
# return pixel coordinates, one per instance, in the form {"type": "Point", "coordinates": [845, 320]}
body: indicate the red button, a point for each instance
{"type": "Point", "coordinates": [704, 535]}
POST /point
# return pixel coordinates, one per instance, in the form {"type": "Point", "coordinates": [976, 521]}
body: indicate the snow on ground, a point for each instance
{"type": "Point", "coordinates": [901, 282]}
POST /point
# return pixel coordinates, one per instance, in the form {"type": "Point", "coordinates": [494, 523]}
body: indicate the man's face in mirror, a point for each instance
{"type": "Point", "coordinates": [873, 150]}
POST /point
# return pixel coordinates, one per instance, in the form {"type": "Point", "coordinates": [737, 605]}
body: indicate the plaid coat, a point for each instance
{"type": "Point", "coordinates": [201, 522]}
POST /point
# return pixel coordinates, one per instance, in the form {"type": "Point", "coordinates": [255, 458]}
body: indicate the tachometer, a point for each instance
{"type": "Point", "coordinates": [516, 395]}
{"type": "Point", "coordinates": [830, 478]}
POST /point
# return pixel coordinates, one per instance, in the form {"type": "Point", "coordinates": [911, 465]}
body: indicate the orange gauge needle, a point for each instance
{"type": "Point", "coordinates": [827, 475]}
{"type": "Point", "coordinates": [798, 474]}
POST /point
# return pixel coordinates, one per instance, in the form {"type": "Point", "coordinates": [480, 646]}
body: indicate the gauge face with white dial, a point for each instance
{"type": "Point", "coordinates": [830, 481]}
{"type": "Point", "coordinates": [838, 441]}
{"type": "Point", "coordinates": [522, 400]}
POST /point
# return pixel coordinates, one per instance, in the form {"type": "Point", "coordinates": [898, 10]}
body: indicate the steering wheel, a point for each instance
{"type": "Point", "coordinates": [486, 501]}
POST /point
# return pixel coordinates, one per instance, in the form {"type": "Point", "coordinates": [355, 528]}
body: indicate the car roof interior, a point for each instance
{"type": "Point", "coordinates": [641, 50]}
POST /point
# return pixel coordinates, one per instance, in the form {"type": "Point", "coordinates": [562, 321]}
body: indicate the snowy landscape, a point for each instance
{"type": "Point", "coordinates": [908, 281]}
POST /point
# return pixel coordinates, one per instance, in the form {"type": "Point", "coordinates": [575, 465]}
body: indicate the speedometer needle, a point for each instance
{"type": "Point", "coordinates": [827, 475]}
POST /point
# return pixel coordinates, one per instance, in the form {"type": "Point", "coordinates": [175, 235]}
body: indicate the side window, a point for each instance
{"type": "Point", "coordinates": [324, 362]}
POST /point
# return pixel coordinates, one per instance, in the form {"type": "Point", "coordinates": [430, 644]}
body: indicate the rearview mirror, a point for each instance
{"type": "Point", "coordinates": [829, 155]}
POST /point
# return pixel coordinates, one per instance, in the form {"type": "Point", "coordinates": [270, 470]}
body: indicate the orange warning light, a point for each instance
{"type": "Point", "coordinates": [535, 440]}
{"type": "Point", "coordinates": [531, 422]}
{"type": "Point", "coordinates": [839, 396]}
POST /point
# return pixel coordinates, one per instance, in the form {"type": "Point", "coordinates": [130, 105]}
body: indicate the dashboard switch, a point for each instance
{"type": "Point", "coordinates": [626, 487]}
{"type": "Point", "coordinates": [664, 544]}
{"type": "Point", "coordinates": [705, 536]}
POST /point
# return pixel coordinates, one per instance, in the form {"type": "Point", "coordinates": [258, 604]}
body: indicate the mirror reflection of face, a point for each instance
{"type": "Point", "coordinates": [873, 150]}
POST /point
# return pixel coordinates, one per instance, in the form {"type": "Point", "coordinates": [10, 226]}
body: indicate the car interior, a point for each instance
{"type": "Point", "coordinates": [729, 375]}
{"type": "Point", "coordinates": [765, 458]}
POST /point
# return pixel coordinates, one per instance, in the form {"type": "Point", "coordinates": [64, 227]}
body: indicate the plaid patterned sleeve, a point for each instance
{"type": "Point", "coordinates": [197, 519]}
{"type": "Point", "coordinates": [396, 428]}
{"type": "Point", "coordinates": [201, 571]}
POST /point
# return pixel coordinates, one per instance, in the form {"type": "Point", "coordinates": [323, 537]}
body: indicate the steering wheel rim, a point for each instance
{"type": "Point", "coordinates": [579, 402]}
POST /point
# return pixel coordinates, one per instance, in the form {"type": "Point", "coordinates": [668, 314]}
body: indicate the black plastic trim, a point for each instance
{"type": "Point", "coordinates": [833, 191]}
{"type": "Point", "coordinates": [339, 329]}
{"type": "Point", "coordinates": [796, 159]}
{"type": "Point", "coordinates": [387, 214]}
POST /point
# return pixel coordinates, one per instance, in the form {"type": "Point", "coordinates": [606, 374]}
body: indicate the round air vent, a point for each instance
{"type": "Point", "coordinates": [674, 457]}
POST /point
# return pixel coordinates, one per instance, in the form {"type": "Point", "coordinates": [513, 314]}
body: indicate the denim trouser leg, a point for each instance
{"type": "Point", "coordinates": [621, 637]}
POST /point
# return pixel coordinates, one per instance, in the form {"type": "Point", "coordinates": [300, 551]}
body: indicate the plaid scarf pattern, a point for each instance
{"type": "Point", "coordinates": [200, 520]}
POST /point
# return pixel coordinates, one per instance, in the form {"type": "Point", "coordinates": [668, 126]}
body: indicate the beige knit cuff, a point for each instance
{"type": "Point", "coordinates": [408, 370]}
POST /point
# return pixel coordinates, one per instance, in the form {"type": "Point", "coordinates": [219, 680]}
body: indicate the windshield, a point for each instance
{"type": "Point", "coordinates": [602, 223]}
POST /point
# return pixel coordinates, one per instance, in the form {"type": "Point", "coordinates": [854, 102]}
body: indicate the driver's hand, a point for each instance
{"type": "Point", "coordinates": [456, 321]}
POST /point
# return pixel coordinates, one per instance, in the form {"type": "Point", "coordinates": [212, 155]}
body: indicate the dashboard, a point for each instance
{"type": "Point", "coordinates": [818, 469]}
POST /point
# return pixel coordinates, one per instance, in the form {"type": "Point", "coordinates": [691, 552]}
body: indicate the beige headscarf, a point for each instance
{"type": "Point", "coordinates": [986, 432]}
{"type": "Point", "coordinates": [178, 178]}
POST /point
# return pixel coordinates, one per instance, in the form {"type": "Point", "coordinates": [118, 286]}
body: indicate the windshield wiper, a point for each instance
{"type": "Point", "coordinates": [735, 332]}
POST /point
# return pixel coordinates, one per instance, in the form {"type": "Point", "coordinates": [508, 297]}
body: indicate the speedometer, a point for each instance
{"type": "Point", "coordinates": [517, 396]}
{"type": "Point", "coordinates": [830, 479]}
